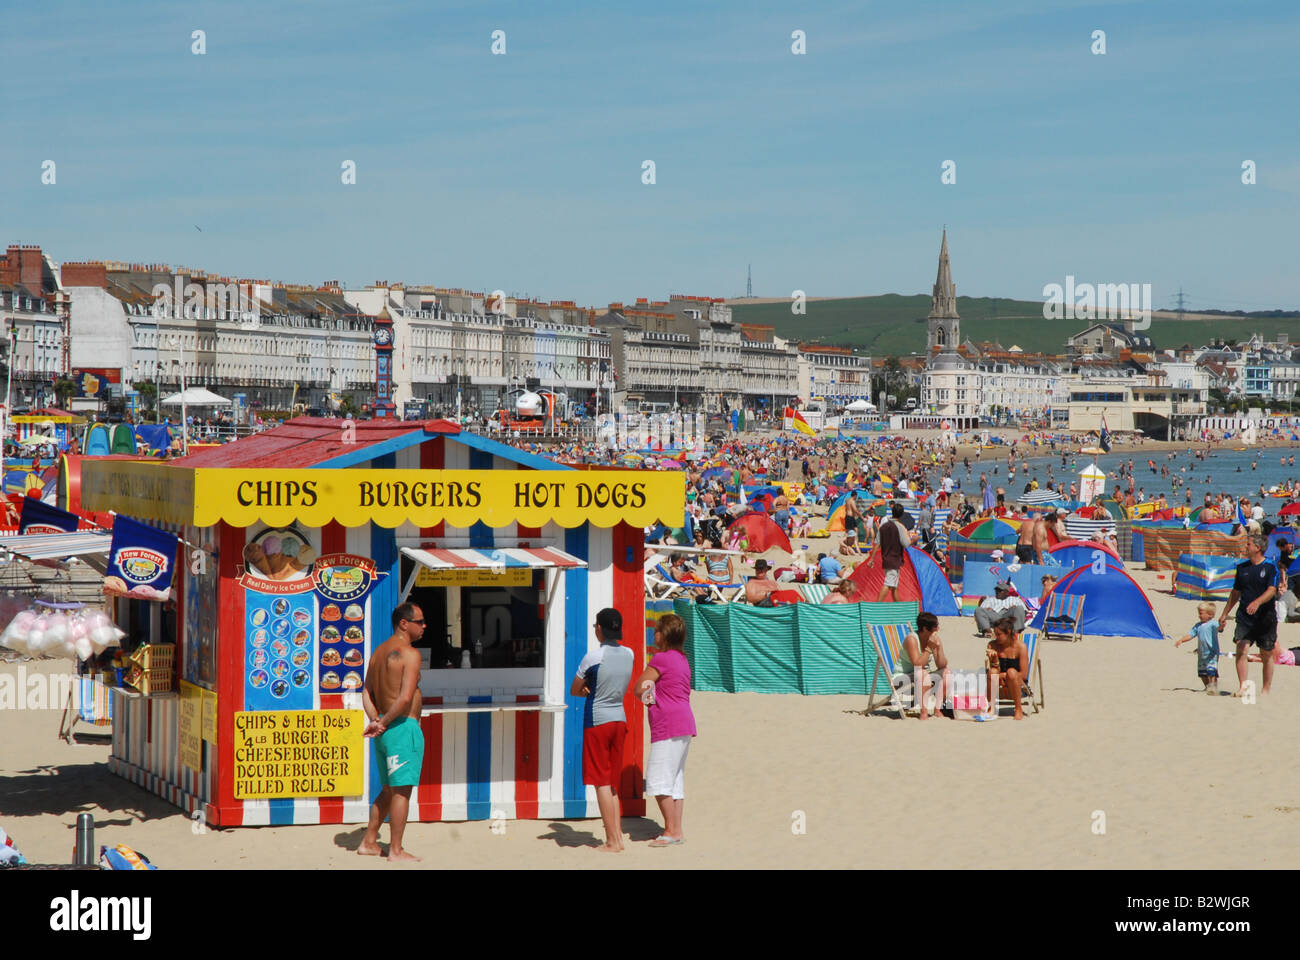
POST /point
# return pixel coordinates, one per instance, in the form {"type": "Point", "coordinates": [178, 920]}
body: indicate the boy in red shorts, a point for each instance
{"type": "Point", "coordinates": [603, 678]}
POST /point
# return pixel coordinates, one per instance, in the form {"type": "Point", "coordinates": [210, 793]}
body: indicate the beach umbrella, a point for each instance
{"type": "Point", "coordinates": [35, 439]}
{"type": "Point", "coordinates": [195, 397]}
{"type": "Point", "coordinates": [1290, 510]}
{"type": "Point", "coordinates": [990, 528]}
{"type": "Point", "coordinates": [671, 464]}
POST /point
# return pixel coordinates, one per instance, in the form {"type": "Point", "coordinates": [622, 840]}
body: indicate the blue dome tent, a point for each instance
{"type": "Point", "coordinates": [1115, 606]}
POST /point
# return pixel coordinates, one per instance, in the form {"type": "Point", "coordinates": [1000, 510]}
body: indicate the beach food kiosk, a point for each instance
{"type": "Point", "coordinates": [293, 548]}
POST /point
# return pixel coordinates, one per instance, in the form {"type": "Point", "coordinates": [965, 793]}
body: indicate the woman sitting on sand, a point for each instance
{"type": "Point", "coordinates": [1008, 664]}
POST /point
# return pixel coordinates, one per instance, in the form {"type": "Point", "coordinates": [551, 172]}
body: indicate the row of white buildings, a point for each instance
{"type": "Point", "coordinates": [131, 324]}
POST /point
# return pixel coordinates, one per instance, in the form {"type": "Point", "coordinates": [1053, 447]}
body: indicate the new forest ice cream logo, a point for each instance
{"type": "Point", "coordinates": [141, 565]}
{"type": "Point", "coordinates": [343, 576]}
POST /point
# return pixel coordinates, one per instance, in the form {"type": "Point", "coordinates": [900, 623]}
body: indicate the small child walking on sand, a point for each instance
{"type": "Point", "coordinates": [1206, 635]}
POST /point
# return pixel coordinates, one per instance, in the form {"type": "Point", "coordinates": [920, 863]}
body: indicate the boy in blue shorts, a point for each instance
{"type": "Point", "coordinates": [1206, 635]}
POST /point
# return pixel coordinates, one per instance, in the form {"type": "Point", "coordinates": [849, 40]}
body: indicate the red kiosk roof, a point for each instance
{"type": "Point", "coordinates": [308, 441]}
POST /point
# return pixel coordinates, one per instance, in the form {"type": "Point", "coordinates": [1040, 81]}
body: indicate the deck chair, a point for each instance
{"type": "Point", "coordinates": [814, 592]}
{"type": "Point", "coordinates": [888, 641]}
{"type": "Point", "coordinates": [1031, 693]}
{"type": "Point", "coordinates": [1064, 616]}
{"type": "Point", "coordinates": [660, 585]}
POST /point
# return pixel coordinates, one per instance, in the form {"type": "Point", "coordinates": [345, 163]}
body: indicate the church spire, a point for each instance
{"type": "Point", "coordinates": [943, 302]}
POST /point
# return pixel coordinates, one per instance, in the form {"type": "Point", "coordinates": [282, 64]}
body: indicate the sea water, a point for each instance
{"type": "Point", "coordinates": [1226, 468]}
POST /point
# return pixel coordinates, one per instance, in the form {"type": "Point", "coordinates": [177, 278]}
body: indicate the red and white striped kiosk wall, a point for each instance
{"type": "Point", "coordinates": [298, 543]}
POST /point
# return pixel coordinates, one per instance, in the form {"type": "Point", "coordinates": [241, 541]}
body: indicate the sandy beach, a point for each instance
{"type": "Point", "coordinates": [1183, 779]}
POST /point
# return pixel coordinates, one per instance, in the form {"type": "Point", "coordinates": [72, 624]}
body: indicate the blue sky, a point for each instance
{"type": "Point", "coordinates": [523, 171]}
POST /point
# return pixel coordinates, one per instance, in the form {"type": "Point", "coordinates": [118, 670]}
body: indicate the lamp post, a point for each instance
{"type": "Point", "coordinates": [11, 346]}
{"type": "Point", "coordinates": [180, 372]}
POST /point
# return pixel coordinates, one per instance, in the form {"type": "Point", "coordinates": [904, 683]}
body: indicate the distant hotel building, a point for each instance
{"type": "Point", "coordinates": [29, 298]}
{"type": "Point", "coordinates": [688, 351]}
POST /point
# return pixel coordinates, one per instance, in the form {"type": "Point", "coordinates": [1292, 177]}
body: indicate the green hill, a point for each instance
{"type": "Point", "coordinates": [894, 325]}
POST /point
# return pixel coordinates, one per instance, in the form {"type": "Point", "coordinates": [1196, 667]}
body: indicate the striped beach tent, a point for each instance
{"type": "Point", "coordinates": [961, 549]}
{"type": "Point", "coordinates": [1162, 546]}
{"type": "Point", "coordinates": [1205, 577]}
{"type": "Point", "coordinates": [1085, 528]}
{"type": "Point", "coordinates": [1042, 496]}
{"type": "Point", "coordinates": [940, 518]}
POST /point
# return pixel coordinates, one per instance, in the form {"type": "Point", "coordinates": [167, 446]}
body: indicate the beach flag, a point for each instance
{"type": "Point", "coordinates": [1104, 439]}
{"type": "Point", "coordinates": [795, 421]}
{"type": "Point", "coordinates": [141, 561]}
{"type": "Point", "coordinates": [36, 516]}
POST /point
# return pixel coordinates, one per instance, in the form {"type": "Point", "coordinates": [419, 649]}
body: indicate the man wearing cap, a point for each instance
{"type": "Point", "coordinates": [1001, 604]}
{"type": "Point", "coordinates": [603, 678]}
{"type": "Point", "coordinates": [760, 585]}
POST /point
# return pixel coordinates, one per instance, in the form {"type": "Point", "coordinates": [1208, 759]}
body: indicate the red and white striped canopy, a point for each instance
{"type": "Point", "coordinates": [502, 558]}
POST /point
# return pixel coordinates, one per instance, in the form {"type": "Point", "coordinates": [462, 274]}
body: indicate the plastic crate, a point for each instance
{"type": "Point", "coordinates": [155, 656]}
{"type": "Point", "coordinates": [149, 682]}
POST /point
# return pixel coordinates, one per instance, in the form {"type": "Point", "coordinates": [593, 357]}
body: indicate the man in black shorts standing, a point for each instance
{"type": "Point", "coordinates": [1256, 587]}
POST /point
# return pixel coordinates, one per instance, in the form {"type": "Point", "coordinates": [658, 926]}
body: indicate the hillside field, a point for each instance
{"type": "Point", "coordinates": [894, 325]}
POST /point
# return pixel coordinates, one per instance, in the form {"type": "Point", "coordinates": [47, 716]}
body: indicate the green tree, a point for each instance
{"type": "Point", "coordinates": [148, 391]}
{"type": "Point", "coordinates": [63, 391]}
{"type": "Point", "coordinates": [347, 405]}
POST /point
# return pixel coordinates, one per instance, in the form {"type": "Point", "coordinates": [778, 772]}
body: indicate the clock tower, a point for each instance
{"type": "Point", "coordinates": [383, 339]}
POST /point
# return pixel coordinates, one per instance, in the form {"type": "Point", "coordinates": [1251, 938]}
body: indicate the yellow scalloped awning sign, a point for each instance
{"type": "Point", "coordinates": [389, 498]}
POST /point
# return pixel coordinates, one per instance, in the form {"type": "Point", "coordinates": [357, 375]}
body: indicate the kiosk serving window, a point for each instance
{"type": "Point", "coordinates": [484, 609]}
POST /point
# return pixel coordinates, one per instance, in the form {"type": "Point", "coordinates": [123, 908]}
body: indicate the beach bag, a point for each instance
{"type": "Point", "coordinates": [9, 855]}
{"type": "Point", "coordinates": [122, 857]}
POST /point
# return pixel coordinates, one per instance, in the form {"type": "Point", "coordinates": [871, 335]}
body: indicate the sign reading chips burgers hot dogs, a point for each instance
{"type": "Point", "coordinates": [298, 753]}
{"type": "Point", "coordinates": [389, 498]}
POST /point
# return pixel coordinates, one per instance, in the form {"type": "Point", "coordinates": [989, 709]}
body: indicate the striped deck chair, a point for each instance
{"type": "Point", "coordinates": [1064, 616]}
{"type": "Point", "coordinates": [888, 640]}
{"type": "Point", "coordinates": [660, 585]}
{"type": "Point", "coordinates": [814, 592]}
{"type": "Point", "coordinates": [1028, 697]}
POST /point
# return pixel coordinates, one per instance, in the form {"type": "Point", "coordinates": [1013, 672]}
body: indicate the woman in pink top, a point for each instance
{"type": "Point", "coordinates": [665, 687]}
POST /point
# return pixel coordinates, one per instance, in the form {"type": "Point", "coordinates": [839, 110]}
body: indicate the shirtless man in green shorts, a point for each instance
{"type": "Point", "coordinates": [392, 702]}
